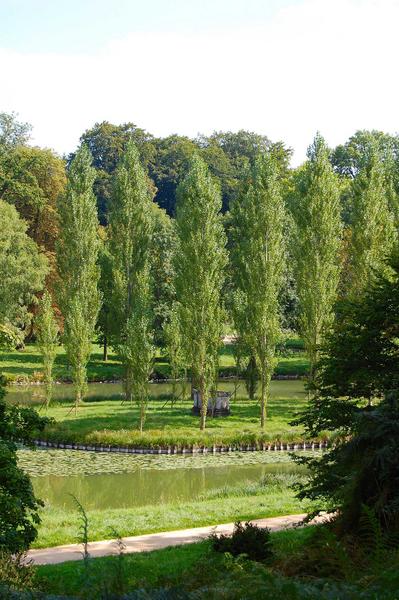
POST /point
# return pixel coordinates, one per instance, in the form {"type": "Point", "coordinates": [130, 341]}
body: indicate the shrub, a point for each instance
{"type": "Point", "coordinates": [248, 539]}
{"type": "Point", "coordinates": [16, 571]}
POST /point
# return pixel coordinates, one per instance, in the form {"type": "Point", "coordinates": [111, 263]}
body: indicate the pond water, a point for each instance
{"type": "Point", "coordinates": [63, 392]}
{"type": "Point", "coordinates": [103, 481]}
{"type": "Point", "coordinates": [147, 487]}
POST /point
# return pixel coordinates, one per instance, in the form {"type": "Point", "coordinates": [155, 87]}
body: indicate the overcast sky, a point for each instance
{"type": "Point", "coordinates": [283, 68]}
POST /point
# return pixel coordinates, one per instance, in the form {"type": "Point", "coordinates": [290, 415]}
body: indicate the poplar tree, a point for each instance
{"type": "Point", "coordinates": [258, 257]}
{"type": "Point", "coordinates": [130, 231]}
{"type": "Point", "coordinates": [316, 246]}
{"type": "Point", "coordinates": [47, 336]}
{"type": "Point", "coordinates": [172, 335]}
{"type": "Point", "coordinates": [199, 262]}
{"type": "Point", "coordinates": [77, 256]}
{"type": "Point", "coordinates": [372, 224]}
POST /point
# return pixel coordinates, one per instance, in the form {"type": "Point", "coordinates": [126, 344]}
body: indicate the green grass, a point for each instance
{"type": "Point", "coordinates": [114, 423]}
{"type": "Point", "coordinates": [291, 362]}
{"type": "Point", "coordinates": [152, 569]}
{"type": "Point", "coordinates": [27, 364]}
{"type": "Point", "coordinates": [175, 572]}
{"type": "Point", "coordinates": [271, 497]}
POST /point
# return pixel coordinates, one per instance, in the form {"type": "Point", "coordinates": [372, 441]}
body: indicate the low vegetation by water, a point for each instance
{"type": "Point", "coordinates": [40, 463]}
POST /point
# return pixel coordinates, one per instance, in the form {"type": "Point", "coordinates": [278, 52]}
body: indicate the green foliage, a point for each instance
{"type": "Point", "coordinates": [83, 535]}
{"type": "Point", "coordinates": [372, 224]}
{"type": "Point", "coordinates": [16, 571]}
{"type": "Point", "coordinates": [362, 354]}
{"type": "Point", "coordinates": [248, 539]}
{"type": "Point", "coordinates": [173, 155]}
{"type": "Point", "coordinates": [258, 256]}
{"type": "Point", "coordinates": [47, 337]}
{"type": "Point", "coordinates": [105, 316]}
{"type": "Point", "coordinates": [199, 263]}
{"type": "Point", "coordinates": [31, 179]}
{"type": "Point", "coordinates": [315, 246]}
{"type": "Point", "coordinates": [137, 350]}
{"type": "Point", "coordinates": [77, 258]}
{"type": "Point", "coordinates": [107, 144]}
{"type": "Point", "coordinates": [251, 378]}
{"type": "Point", "coordinates": [131, 228]}
{"type": "Point", "coordinates": [22, 270]}
{"type": "Point", "coordinates": [13, 133]}
{"type": "Point", "coordinates": [361, 470]}
{"type": "Point", "coordinates": [163, 245]}
{"type": "Point", "coordinates": [174, 345]}
{"type": "Point", "coordinates": [18, 506]}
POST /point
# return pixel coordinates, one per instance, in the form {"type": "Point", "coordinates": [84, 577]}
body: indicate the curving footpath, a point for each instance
{"type": "Point", "coordinates": [154, 541]}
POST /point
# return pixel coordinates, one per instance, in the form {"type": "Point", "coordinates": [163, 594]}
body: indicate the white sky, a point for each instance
{"type": "Point", "coordinates": [327, 65]}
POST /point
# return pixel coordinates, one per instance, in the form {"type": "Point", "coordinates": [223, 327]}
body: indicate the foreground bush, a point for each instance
{"type": "Point", "coordinates": [250, 540]}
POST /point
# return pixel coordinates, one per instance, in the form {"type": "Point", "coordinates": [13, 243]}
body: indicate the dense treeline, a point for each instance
{"type": "Point", "coordinates": [161, 242]}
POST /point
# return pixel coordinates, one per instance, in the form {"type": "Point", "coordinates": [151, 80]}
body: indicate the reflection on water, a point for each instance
{"type": "Point", "coordinates": [113, 391]}
{"type": "Point", "coordinates": [146, 486]}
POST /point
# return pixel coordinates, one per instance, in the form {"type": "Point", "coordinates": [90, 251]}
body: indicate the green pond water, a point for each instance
{"type": "Point", "coordinates": [63, 392]}
{"type": "Point", "coordinates": [103, 481]}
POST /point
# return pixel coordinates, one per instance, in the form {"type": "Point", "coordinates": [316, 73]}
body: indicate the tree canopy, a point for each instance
{"type": "Point", "coordinates": [22, 269]}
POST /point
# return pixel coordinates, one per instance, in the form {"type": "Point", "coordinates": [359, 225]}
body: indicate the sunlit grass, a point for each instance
{"type": "Point", "coordinates": [115, 423]}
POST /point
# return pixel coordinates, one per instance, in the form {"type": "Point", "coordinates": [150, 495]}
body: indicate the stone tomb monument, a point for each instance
{"type": "Point", "coordinates": [218, 406]}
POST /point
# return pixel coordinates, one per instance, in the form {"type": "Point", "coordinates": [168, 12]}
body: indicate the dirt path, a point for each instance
{"type": "Point", "coordinates": [152, 541]}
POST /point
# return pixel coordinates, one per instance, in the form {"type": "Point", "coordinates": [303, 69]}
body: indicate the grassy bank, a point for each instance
{"type": "Point", "coordinates": [270, 497]}
{"type": "Point", "coordinates": [27, 364]}
{"type": "Point", "coordinates": [159, 568]}
{"type": "Point", "coordinates": [113, 423]}
{"type": "Point", "coordinates": [306, 564]}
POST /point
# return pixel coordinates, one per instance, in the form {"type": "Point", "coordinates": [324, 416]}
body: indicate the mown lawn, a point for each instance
{"type": "Point", "coordinates": [112, 422]}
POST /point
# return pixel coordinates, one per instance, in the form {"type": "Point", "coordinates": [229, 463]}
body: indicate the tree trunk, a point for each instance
{"type": "Point", "coordinates": [78, 399]}
{"type": "Point", "coordinates": [265, 387]}
{"type": "Point", "coordinates": [142, 416]}
{"type": "Point", "coordinates": [204, 404]}
{"type": "Point", "coordinates": [105, 349]}
{"type": "Point", "coordinates": [263, 403]}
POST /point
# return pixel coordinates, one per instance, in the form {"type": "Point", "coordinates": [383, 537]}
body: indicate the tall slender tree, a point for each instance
{"type": "Point", "coordinates": [316, 245]}
{"type": "Point", "coordinates": [47, 336]}
{"type": "Point", "coordinates": [130, 231]}
{"type": "Point", "coordinates": [372, 224]}
{"type": "Point", "coordinates": [258, 257]}
{"type": "Point", "coordinates": [199, 261]}
{"type": "Point", "coordinates": [77, 258]}
{"type": "Point", "coordinates": [172, 336]}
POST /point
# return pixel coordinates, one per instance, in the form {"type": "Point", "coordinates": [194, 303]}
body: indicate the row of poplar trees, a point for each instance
{"type": "Point", "coordinates": [246, 255]}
